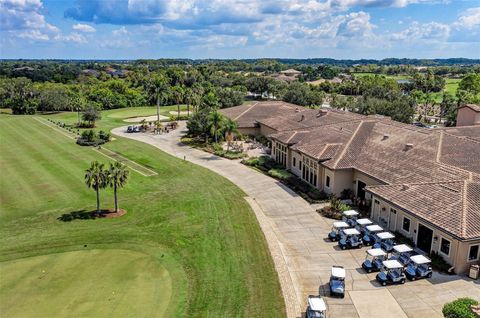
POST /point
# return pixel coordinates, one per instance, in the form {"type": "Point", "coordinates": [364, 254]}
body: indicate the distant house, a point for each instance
{"type": "Point", "coordinates": [468, 115]}
{"type": "Point", "coordinates": [90, 72]}
{"type": "Point", "coordinates": [291, 72]}
{"type": "Point", "coordinates": [114, 72]}
{"type": "Point", "coordinates": [422, 183]}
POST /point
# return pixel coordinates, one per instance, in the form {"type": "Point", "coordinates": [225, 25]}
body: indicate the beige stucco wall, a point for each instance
{"type": "Point", "coordinates": [339, 180]}
{"type": "Point", "coordinates": [295, 169]}
{"type": "Point", "coordinates": [253, 131]}
{"type": "Point", "coordinates": [382, 214]}
{"type": "Point", "coordinates": [467, 117]}
{"type": "Point", "coordinates": [265, 130]}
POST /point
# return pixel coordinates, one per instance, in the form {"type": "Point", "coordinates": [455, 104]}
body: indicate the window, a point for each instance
{"type": "Point", "coordinates": [377, 202]}
{"type": "Point", "coordinates": [406, 224]}
{"type": "Point", "coordinates": [473, 253]}
{"type": "Point", "coordinates": [327, 182]}
{"type": "Point", "coordinates": [445, 246]}
{"type": "Point", "coordinates": [294, 161]}
{"type": "Point", "coordinates": [300, 165]}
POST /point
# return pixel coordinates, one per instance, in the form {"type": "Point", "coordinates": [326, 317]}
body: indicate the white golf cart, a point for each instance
{"type": "Point", "coordinates": [419, 267]}
{"type": "Point", "coordinates": [361, 224]}
{"type": "Point", "coordinates": [369, 235]}
{"type": "Point", "coordinates": [337, 281]}
{"type": "Point", "coordinates": [350, 216]}
{"type": "Point", "coordinates": [337, 231]}
{"type": "Point", "coordinates": [402, 253]}
{"type": "Point", "coordinates": [374, 260]}
{"type": "Point", "coordinates": [385, 241]}
{"type": "Point", "coordinates": [316, 307]}
{"type": "Point", "coordinates": [352, 239]}
{"type": "Point", "coordinates": [392, 273]}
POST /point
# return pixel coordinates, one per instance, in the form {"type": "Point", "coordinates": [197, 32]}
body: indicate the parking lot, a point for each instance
{"type": "Point", "coordinates": [303, 256]}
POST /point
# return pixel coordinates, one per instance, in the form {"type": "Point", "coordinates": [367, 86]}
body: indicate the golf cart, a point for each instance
{"type": "Point", "coordinates": [350, 216]}
{"type": "Point", "coordinates": [374, 260]}
{"type": "Point", "coordinates": [351, 239]}
{"type": "Point", "coordinates": [362, 223]}
{"type": "Point", "coordinates": [337, 231]}
{"type": "Point", "coordinates": [316, 307]}
{"type": "Point", "coordinates": [419, 267]}
{"type": "Point", "coordinates": [337, 281]}
{"type": "Point", "coordinates": [369, 235]}
{"type": "Point", "coordinates": [402, 253]}
{"type": "Point", "coordinates": [391, 273]}
{"type": "Point", "coordinates": [385, 241]}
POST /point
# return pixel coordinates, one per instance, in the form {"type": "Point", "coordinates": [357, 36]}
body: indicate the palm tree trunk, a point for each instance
{"type": "Point", "coordinates": [158, 107]}
{"type": "Point", "coordinates": [98, 200]}
{"type": "Point", "coordinates": [188, 109]}
{"type": "Point", "coordinates": [178, 109]}
{"type": "Point", "coordinates": [115, 197]}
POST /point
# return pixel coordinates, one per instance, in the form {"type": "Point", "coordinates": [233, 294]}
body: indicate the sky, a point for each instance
{"type": "Point", "coordinates": [341, 29]}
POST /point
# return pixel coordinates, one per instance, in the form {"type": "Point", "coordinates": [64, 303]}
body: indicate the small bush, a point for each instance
{"type": "Point", "coordinates": [330, 213]}
{"type": "Point", "coordinates": [181, 117]}
{"type": "Point", "coordinates": [439, 264]}
{"type": "Point", "coordinates": [460, 308]}
{"type": "Point", "coordinates": [85, 125]}
{"type": "Point", "coordinates": [252, 162]}
{"type": "Point", "coordinates": [232, 155]}
{"type": "Point", "coordinates": [104, 135]}
{"type": "Point", "coordinates": [88, 135]}
{"type": "Point", "coordinates": [281, 174]}
{"type": "Point", "coordinates": [94, 143]}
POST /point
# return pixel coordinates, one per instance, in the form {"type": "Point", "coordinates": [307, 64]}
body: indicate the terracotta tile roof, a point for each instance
{"type": "Point", "coordinates": [452, 206]}
{"type": "Point", "coordinates": [249, 114]}
{"type": "Point", "coordinates": [472, 106]}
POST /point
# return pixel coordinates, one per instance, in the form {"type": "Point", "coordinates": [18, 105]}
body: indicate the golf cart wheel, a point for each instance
{"type": "Point", "coordinates": [413, 278]}
{"type": "Point", "coordinates": [342, 296]}
{"type": "Point", "coordinates": [384, 283]}
{"type": "Point", "coordinates": [429, 275]}
{"type": "Point", "coordinates": [369, 271]}
{"type": "Point", "coordinates": [344, 247]}
{"type": "Point", "coordinates": [360, 246]}
{"type": "Point", "coordinates": [402, 281]}
{"type": "Point", "coordinates": [334, 239]}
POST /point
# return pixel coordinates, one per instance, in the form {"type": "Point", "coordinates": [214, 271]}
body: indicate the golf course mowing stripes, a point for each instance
{"type": "Point", "coordinates": [131, 164]}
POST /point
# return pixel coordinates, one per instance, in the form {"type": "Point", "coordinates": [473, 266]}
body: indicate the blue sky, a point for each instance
{"type": "Point", "coordinates": [130, 29]}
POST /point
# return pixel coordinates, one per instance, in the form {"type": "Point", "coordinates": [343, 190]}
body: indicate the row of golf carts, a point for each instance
{"type": "Point", "coordinates": [395, 263]}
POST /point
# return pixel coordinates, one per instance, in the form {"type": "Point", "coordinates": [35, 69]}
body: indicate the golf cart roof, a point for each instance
{"type": "Point", "coordinates": [340, 224]}
{"type": "Point", "coordinates": [364, 221]}
{"type": "Point", "coordinates": [351, 232]}
{"type": "Point", "coordinates": [392, 264]}
{"type": "Point", "coordinates": [402, 248]}
{"type": "Point", "coordinates": [350, 213]}
{"type": "Point", "coordinates": [385, 235]}
{"type": "Point", "coordinates": [317, 303]}
{"type": "Point", "coordinates": [376, 252]}
{"type": "Point", "coordinates": [338, 271]}
{"type": "Point", "coordinates": [420, 259]}
{"type": "Point", "coordinates": [374, 228]}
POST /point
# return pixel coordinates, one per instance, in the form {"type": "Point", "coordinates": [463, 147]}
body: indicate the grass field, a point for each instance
{"type": "Point", "coordinates": [205, 237]}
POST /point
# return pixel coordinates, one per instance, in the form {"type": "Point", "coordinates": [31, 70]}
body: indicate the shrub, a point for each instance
{"type": "Point", "coordinates": [84, 124]}
{"type": "Point", "coordinates": [83, 142]}
{"type": "Point", "coordinates": [439, 263]}
{"type": "Point", "coordinates": [280, 174]}
{"type": "Point", "coordinates": [104, 135]}
{"type": "Point", "coordinates": [88, 135]}
{"type": "Point", "coordinates": [230, 154]}
{"type": "Point", "coordinates": [252, 162]}
{"type": "Point", "coordinates": [181, 117]}
{"type": "Point", "coordinates": [328, 212]}
{"type": "Point", "coordinates": [460, 308]}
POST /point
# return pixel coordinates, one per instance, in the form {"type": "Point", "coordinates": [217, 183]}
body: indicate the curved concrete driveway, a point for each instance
{"type": "Point", "coordinates": [295, 235]}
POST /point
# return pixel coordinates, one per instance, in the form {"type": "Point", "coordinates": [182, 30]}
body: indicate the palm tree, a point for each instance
{"type": "Point", "coordinates": [117, 178]}
{"type": "Point", "coordinates": [189, 99]}
{"type": "Point", "coordinates": [95, 178]}
{"type": "Point", "coordinates": [178, 94]}
{"type": "Point", "coordinates": [230, 127]}
{"type": "Point", "coordinates": [158, 126]}
{"type": "Point", "coordinates": [215, 120]}
{"type": "Point", "coordinates": [156, 86]}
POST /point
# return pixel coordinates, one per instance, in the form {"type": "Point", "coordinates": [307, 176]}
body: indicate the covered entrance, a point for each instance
{"type": "Point", "coordinates": [424, 238]}
{"type": "Point", "coordinates": [361, 189]}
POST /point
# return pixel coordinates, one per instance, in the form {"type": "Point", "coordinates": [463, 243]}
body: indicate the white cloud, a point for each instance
{"type": "Point", "coordinates": [432, 31]}
{"type": "Point", "coordinates": [469, 18]}
{"type": "Point", "coordinates": [83, 28]}
{"type": "Point", "coordinates": [121, 32]}
{"type": "Point", "coordinates": [72, 37]}
{"type": "Point", "coordinates": [35, 35]}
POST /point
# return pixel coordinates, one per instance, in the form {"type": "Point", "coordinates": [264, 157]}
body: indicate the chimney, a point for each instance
{"type": "Point", "coordinates": [408, 147]}
{"type": "Point", "coordinates": [404, 187]}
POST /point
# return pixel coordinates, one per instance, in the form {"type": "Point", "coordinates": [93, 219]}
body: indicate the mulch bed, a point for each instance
{"type": "Point", "coordinates": [110, 213]}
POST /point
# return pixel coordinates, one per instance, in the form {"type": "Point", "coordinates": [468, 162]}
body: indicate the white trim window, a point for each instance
{"type": "Point", "coordinates": [327, 182]}
{"type": "Point", "coordinates": [473, 253]}
{"type": "Point", "coordinates": [445, 246]}
{"type": "Point", "coordinates": [406, 224]}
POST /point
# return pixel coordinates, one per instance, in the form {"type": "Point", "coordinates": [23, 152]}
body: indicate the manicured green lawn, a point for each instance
{"type": "Point", "coordinates": [104, 284]}
{"type": "Point", "coordinates": [187, 220]}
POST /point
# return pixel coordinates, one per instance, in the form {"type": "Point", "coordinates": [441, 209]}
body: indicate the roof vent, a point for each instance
{"type": "Point", "coordinates": [408, 147]}
{"type": "Point", "coordinates": [297, 110]}
{"type": "Point", "coordinates": [385, 136]}
{"type": "Point", "coordinates": [404, 187]}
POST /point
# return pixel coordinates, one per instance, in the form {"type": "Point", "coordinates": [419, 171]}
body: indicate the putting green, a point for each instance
{"type": "Point", "coordinates": [93, 283]}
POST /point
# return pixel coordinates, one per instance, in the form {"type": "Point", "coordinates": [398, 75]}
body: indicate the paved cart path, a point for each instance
{"type": "Point", "coordinates": [295, 234]}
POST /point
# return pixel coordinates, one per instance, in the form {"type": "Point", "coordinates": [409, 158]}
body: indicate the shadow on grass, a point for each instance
{"type": "Point", "coordinates": [78, 215]}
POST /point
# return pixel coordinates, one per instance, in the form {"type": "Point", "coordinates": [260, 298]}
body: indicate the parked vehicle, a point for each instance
{"type": "Point", "coordinates": [316, 307]}
{"type": "Point", "coordinates": [129, 129]}
{"type": "Point", "coordinates": [350, 216]}
{"type": "Point", "coordinates": [419, 267]}
{"type": "Point", "coordinates": [402, 253]}
{"type": "Point", "coordinates": [361, 224]}
{"type": "Point", "coordinates": [337, 231]}
{"type": "Point", "coordinates": [374, 260]}
{"type": "Point", "coordinates": [369, 235]}
{"type": "Point", "coordinates": [337, 281]}
{"type": "Point", "coordinates": [391, 273]}
{"type": "Point", "coordinates": [351, 239]}
{"type": "Point", "coordinates": [385, 241]}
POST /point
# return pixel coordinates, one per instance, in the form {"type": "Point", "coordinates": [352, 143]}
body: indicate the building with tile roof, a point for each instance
{"type": "Point", "coordinates": [423, 183]}
{"type": "Point", "coordinates": [468, 115]}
